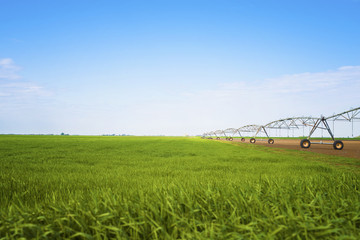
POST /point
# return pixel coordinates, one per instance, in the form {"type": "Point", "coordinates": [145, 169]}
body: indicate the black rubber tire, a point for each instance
{"type": "Point", "coordinates": [217, 138]}
{"type": "Point", "coordinates": [305, 143]}
{"type": "Point", "coordinates": [210, 137]}
{"type": "Point", "coordinates": [243, 139]}
{"type": "Point", "coordinates": [271, 141]}
{"type": "Point", "coordinates": [252, 140]}
{"type": "Point", "coordinates": [230, 139]}
{"type": "Point", "coordinates": [338, 145]}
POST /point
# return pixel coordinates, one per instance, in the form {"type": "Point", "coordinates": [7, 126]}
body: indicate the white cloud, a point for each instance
{"type": "Point", "coordinates": [17, 88]}
{"type": "Point", "coordinates": [307, 82]}
{"type": "Point", "coordinates": [12, 85]}
{"type": "Point", "coordinates": [8, 69]}
{"type": "Point", "coordinates": [300, 83]}
{"type": "Point", "coordinates": [235, 104]}
{"type": "Point", "coordinates": [231, 104]}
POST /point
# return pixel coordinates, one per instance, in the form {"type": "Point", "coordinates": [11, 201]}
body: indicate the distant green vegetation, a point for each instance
{"type": "Point", "coordinates": [166, 188]}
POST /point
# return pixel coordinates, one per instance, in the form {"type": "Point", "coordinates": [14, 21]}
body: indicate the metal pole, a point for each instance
{"type": "Point", "coordinates": [265, 132]}
{"type": "Point", "coordinates": [303, 131]}
{"type": "Point", "coordinates": [317, 123]}
{"type": "Point", "coordinates": [328, 128]}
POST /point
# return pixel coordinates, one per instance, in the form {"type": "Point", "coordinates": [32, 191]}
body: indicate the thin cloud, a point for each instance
{"type": "Point", "coordinates": [14, 88]}
{"type": "Point", "coordinates": [8, 69]}
{"type": "Point", "coordinates": [12, 85]}
{"type": "Point", "coordinates": [303, 83]}
{"type": "Point", "coordinates": [239, 103]}
{"type": "Point", "coordinates": [310, 82]}
{"type": "Point", "coordinates": [297, 83]}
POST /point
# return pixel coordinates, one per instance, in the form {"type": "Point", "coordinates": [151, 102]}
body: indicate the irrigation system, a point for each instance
{"type": "Point", "coordinates": [229, 133]}
{"type": "Point", "coordinates": [293, 123]}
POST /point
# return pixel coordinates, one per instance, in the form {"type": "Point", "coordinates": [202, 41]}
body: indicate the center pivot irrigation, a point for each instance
{"type": "Point", "coordinates": [322, 123]}
{"type": "Point", "coordinates": [294, 123]}
{"type": "Point", "coordinates": [287, 124]}
{"type": "Point", "coordinates": [229, 133]}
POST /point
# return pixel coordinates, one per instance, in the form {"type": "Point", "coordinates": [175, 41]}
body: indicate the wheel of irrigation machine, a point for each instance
{"type": "Point", "coordinates": [252, 140]}
{"type": "Point", "coordinates": [230, 139]}
{"type": "Point", "coordinates": [217, 138]}
{"type": "Point", "coordinates": [338, 145]}
{"type": "Point", "coordinates": [243, 139]}
{"type": "Point", "coordinates": [305, 143]}
{"type": "Point", "coordinates": [271, 141]}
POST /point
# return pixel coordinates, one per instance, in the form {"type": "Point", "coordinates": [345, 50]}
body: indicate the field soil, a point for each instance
{"type": "Point", "coordinates": [351, 148]}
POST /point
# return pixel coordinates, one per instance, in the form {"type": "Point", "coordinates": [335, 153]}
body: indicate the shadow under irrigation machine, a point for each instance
{"type": "Point", "coordinates": [291, 124]}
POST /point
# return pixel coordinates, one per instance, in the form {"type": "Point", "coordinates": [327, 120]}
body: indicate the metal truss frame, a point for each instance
{"type": "Point", "coordinates": [350, 115]}
{"type": "Point", "coordinates": [249, 128]}
{"type": "Point", "coordinates": [206, 135]}
{"type": "Point", "coordinates": [289, 123]}
{"type": "Point", "coordinates": [293, 123]}
{"type": "Point", "coordinates": [253, 128]}
{"type": "Point", "coordinates": [286, 123]}
{"type": "Point", "coordinates": [239, 132]}
{"type": "Point", "coordinates": [218, 134]}
{"type": "Point", "coordinates": [322, 123]}
{"type": "Point", "coordinates": [229, 133]}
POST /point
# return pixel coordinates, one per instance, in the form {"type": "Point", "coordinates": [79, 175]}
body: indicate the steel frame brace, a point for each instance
{"type": "Point", "coordinates": [317, 125]}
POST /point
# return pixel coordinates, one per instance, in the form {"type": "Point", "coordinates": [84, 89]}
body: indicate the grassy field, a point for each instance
{"type": "Point", "coordinates": [166, 188]}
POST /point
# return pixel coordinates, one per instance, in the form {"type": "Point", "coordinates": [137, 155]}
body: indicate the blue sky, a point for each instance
{"type": "Point", "coordinates": [174, 67]}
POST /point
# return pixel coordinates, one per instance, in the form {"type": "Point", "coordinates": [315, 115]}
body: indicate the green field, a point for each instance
{"type": "Point", "coordinates": [171, 187]}
{"type": "Point", "coordinates": [299, 138]}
